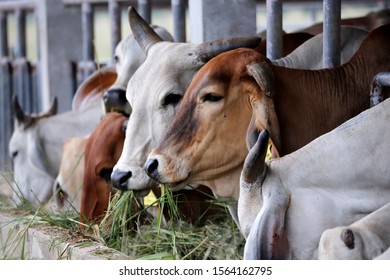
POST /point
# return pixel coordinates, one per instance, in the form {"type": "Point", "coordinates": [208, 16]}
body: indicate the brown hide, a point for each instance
{"type": "Point", "coordinates": [291, 41]}
{"type": "Point", "coordinates": [103, 150]}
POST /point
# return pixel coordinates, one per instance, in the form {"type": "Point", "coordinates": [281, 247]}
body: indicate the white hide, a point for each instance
{"type": "Point", "coordinates": [365, 239]}
{"type": "Point", "coordinates": [36, 151]}
{"type": "Point", "coordinates": [309, 54]}
{"type": "Point", "coordinates": [335, 180]}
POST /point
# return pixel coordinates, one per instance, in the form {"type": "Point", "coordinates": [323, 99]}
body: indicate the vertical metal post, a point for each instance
{"type": "Point", "coordinates": [331, 45]}
{"type": "Point", "coordinates": [21, 33]}
{"type": "Point", "coordinates": [87, 35]}
{"type": "Point", "coordinates": [145, 10]}
{"type": "Point", "coordinates": [274, 29]}
{"type": "Point", "coordinates": [3, 34]}
{"type": "Point", "coordinates": [179, 20]}
{"type": "Point", "coordinates": [115, 21]}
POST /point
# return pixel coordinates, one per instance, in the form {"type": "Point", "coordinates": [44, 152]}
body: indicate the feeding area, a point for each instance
{"type": "Point", "coordinates": [197, 139]}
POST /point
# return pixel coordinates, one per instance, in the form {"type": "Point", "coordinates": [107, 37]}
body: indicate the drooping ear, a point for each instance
{"type": "Point", "coordinates": [267, 239]}
{"type": "Point", "coordinates": [207, 50]}
{"type": "Point", "coordinates": [263, 75]}
{"type": "Point", "coordinates": [142, 31]}
{"type": "Point", "coordinates": [254, 165]}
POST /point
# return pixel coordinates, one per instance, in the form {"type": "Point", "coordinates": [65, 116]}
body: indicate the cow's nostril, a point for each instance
{"type": "Point", "coordinates": [119, 179]}
{"type": "Point", "coordinates": [151, 167]}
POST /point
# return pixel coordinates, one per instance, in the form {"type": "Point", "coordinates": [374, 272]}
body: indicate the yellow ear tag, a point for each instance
{"type": "Point", "coordinates": [150, 199]}
{"type": "Point", "coordinates": [269, 153]}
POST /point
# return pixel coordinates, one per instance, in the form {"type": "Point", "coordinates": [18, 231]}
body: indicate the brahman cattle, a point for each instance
{"type": "Point", "coordinates": [287, 203]}
{"type": "Point", "coordinates": [154, 92]}
{"type": "Point", "coordinates": [103, 149]}
{"type": "Point", "coordinates": [365, 239]}
{"type": "Point", "coordinates": [36, 144]}
{"type": "Point", "coordinates": [68, 185]}
{"type": "Point", "coordinates": [206, 141]}
{"type": "Point", "coordinates": [128, 57]}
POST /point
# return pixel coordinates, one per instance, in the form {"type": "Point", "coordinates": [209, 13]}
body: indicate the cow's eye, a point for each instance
{"type": "Point", "coordinates": [211, 97]}
{"type": "Point", "coordinates": [105, 173]}
{"type": "Point", "coordinates": [14, 154]}
{"type": "Point", "coordinates": [116, 58]}
{"type": "Point", "coordinates": [172, 99]}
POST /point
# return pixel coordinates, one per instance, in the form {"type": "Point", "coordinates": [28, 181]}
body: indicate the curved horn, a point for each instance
{"type": "Point", "coordinates": [51, 112]}
{"type": "Point", "coordinates": [254, 165]}
{"type": "Point", "coordinates": [208, 50]}
{"type": "Point", "coordinates": [142, 31]}
{"type": "Point", "coordinates": [19, 114]}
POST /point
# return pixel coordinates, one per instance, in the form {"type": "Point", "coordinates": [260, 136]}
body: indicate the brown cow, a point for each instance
{"type": "Point", "coordinates": [206, 141]}
{"type": "Point", "coordinates": [103, 149]}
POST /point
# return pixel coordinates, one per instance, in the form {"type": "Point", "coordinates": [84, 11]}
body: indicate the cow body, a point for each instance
{"type": "Point", "coordinates": [365, 239]}
{"type": "Point", "coordinates": [68, 185]}
{"type": "Point", "coordinates": [286, 204]}
{"type": "Point", "coordinates": [295, 105]}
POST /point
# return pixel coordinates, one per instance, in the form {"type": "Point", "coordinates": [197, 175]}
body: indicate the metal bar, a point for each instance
{"type": "Point", "coordinates": [179, 20]}
{"type": "Point", "coordinates": [87, 31]}
{"type": "Point", "coordinates": [145, 10]}
{"type": "Point", "coordinates": [115, 20]}
{"type": "Point", "coordinates": [14, 5]}
{"type": "Point", "coordinates": [21, 33]}
{"type": "Point", "coordinates": [3, 34]}
{"type": "Point", "coordinates": [331, 45]}
{"type": "Point", "coordinates": [274, 29]}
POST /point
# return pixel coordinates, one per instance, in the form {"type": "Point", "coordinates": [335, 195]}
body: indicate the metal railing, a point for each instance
{"type": "Point", "coordinates": [18, 76]}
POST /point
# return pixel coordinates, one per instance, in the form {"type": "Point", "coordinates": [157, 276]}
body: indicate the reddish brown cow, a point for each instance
{"type": "Point", "coordinates": [103, 149]}
{"type": "Point", "coordinates": [206, 141]}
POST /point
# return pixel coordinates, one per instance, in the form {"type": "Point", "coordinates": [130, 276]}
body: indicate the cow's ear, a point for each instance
{"type": "Point", "coordinates": [254, 165]}
{"type": "Point", "coordinates": [263, 75]}
{"type": "Point", "coordinates": [19, 114]}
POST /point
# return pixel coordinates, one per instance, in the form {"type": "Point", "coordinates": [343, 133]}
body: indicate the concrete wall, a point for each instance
{"type": "Point", "coordinates": [59, 30]}
{"type": "Point", "coordinates": [218, 19]}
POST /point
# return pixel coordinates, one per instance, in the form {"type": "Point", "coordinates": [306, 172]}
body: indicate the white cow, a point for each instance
{"type": "Point", "coordinates": [35, 148]}
{"type": "Point", "coordinates": [286, 204]}
{"type": "Point", "coordinates": [128, 57]}
{"type": "Point", "coordinates": [154, 92]}
{"type": "Point", "coordinates": [365, 239]}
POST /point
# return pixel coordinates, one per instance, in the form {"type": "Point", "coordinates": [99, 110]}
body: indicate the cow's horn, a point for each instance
{"type": "Point", "coordinates": [254, 165]}
{"type": "Point", "coordinates": [18, 111]}
{"type": "Point", "coordinates": [52, 110]}
{"type": "Point", "coordinates": [142, 31]}
{"type": "Point", "coordinates": [208, 50]}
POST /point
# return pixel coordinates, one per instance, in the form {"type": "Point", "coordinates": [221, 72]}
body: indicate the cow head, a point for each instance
{"type": "Point", "coordinates": [33, 175]}
{"type": "Point", "coordinates": [128, 57]}
{"type": "Point", "coordinates": [207, 139]}
{"type": "Point", "coordinates": [154, 93]}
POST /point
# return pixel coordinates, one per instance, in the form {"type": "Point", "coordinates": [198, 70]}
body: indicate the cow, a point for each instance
{"type": "Point", "coordinates": [364, 239]}
{"type": "Point", "coordinates": [68, 185]}
{"type": "Point", "coordinates": [36, 143]}
{"type": "Point", "coordinates": [154, 92]}
{"type": "Point", "coordinates": [286, 203]}
{"type": "Point", "coordinates": [128, 57]}
{"type": "Point", "coordinates": [294, 105]}
{"type": "Point", "coordinates": [103, 149]}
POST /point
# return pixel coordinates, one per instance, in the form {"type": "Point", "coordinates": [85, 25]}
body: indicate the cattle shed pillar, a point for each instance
{"type": "Point", "coordinates": [274, 29]}
{"type": "Point", "coordinates": [218, 19]}
{"type": "Point", "coordinates": [59, 30]}
{"type": "Point", "coordinates": [331, 45]}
